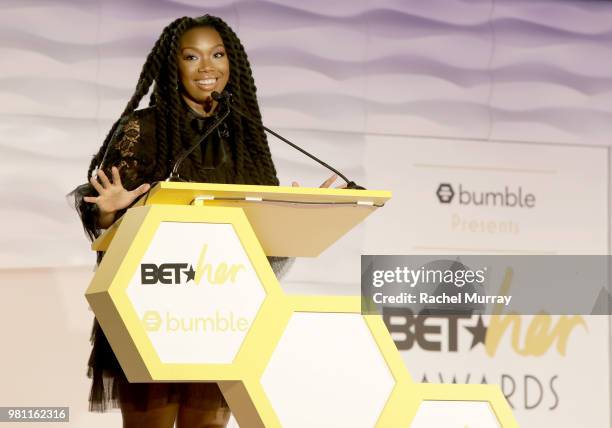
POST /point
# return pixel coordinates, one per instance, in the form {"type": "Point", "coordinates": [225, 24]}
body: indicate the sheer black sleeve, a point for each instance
{"type": "Point", "coordinates": [124, 153]}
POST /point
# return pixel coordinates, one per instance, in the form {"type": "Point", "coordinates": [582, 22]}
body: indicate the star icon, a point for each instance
{"type": "Point", "coordinates": [190, 274]}
{"type": "Point", "coordinates": [479, 332]}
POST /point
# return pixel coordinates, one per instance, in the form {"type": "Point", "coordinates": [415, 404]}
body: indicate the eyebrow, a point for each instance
{"type": "Point", "coordinates": [195, 48]}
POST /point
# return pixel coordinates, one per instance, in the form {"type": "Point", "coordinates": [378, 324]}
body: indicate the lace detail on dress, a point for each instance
{"type": "Point", "coordinates": [131, 135]}
{"type": "Point", "coordinates": [122, 154]}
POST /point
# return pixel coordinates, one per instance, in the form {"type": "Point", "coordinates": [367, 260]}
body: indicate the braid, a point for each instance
{"type": "Point", "coordinates": [161, 129]}
{"type": "Point", "coordinates": [174, 102]}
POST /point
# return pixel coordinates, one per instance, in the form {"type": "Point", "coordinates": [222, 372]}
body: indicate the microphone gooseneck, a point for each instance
{"type": "Point", "coordinates": [226, 98]}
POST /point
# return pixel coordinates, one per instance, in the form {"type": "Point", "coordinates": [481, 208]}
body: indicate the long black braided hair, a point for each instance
{"type": "Point", "coordinates": [252, 161]}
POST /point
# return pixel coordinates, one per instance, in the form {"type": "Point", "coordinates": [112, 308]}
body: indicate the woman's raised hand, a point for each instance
{"type": "Point", "coordinates": [113, 197]}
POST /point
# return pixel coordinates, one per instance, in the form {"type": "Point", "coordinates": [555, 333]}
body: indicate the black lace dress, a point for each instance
{"type": "Point", "coordinates": [135, 152]}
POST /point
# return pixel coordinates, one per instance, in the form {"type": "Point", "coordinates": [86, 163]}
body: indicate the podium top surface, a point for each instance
{"type": "Point", "coordinates": [288, 221]}
{"type": "Point", "coordinates": [185, 193]}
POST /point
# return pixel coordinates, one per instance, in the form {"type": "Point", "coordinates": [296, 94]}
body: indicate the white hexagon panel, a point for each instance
{"type": "Point", "coordinates": [327, 371]}
{"type": "Point", "coordinates": [196, 292]}
{"type": "Point", "coordinates": [455, 414]}
{"type": "Point", "coordinates": [179, 290]}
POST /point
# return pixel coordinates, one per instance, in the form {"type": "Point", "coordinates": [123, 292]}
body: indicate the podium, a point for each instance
{"type": "Point", "coordinates": [185, 293]}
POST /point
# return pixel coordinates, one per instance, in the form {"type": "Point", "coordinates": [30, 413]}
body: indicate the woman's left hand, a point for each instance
{"type": "Point", "coordinates": [325, 184]}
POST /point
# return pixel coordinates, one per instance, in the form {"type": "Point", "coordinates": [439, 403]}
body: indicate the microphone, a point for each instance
{"type": "Point", "coordinates": [174, 176]}
{"type": "Point", "coordinates": [226, 98]}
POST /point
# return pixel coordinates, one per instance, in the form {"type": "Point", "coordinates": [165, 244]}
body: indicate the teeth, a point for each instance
{"type": "Point", "coordinates": [206, 81]}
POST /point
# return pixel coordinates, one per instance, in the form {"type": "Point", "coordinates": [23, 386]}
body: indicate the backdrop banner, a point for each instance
{"type": "Point", "coordinates": [552, 366]}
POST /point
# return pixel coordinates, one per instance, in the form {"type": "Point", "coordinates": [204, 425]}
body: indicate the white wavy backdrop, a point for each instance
{"type": "Point", "coordinates": [506, 70]}
{"type": "Point", "coordinates": [332, 75]}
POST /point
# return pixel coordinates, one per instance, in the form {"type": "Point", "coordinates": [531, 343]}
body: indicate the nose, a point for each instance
{"type": "Point", "coordinates": [205, 65]}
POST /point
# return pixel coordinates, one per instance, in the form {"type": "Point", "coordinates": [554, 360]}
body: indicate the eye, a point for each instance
{"type": "Point", "coordinates": [219, 54]}
{"type": "Point", "coordinates": [190, 57]}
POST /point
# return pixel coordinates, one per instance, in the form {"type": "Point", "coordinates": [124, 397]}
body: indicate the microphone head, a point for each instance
{"type": "Point", "coordinates": [223, 96]}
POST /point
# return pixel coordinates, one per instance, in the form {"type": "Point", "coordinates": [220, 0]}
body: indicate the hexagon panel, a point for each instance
{"type": "Point", "coordinates": [455, 414]}
{"type": "Point", "coordinates": [197, 293]}
{"type": "Point", "coordinates": [327, 371]}
{"type": "Point", "coordinates": [179, 290]}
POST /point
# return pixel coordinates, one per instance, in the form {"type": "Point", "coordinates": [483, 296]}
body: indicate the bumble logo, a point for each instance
{"type": "Point", "coordinates": [172, 273]}
{"type": "Point", "coordinates": [213, 323]}
{"type": "Point", "coordinates": [445, 193]}
{"type": "Point", "coordinates": [151, 320]}
{"type": "Point", "coordinates": [506, 198]}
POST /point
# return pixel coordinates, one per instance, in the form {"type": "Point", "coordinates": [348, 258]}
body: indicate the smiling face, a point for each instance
{"type": "Point", "coordinates": [203, 67]}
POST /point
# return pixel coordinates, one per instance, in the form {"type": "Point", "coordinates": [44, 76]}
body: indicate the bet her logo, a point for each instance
{"type": "Point", "coordinates": [425, 330]}
{"type": "Point", "coordinates": [172, 273]}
